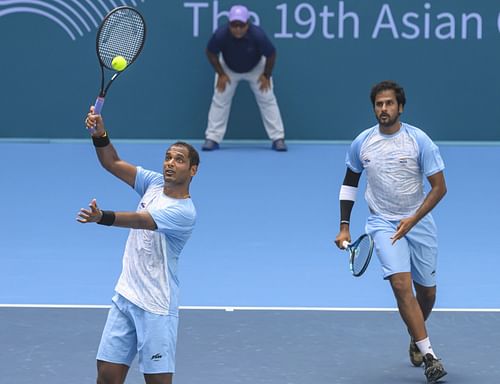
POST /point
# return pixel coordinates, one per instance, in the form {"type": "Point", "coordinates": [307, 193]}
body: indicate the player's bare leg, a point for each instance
{"type": "Point", "coordinates": [412, 314]}
{"type": "Point", "coordinates": [426, 297]}
{"type": "Point", "coordinates": [160, 378]}
{"type": "Point", "coordinates": [409, 308]}
{"type": "Point", "coordinates": [111, 373]}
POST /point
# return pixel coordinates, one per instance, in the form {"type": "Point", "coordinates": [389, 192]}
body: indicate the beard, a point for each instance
{"type": "Point", "coordinates": [388, 122]}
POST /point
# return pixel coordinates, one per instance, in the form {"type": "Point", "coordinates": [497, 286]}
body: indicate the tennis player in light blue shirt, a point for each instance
{"type": "Point", "coordinates": [143, 318]}
{"type": "Point", "coordinates": [396, 157]}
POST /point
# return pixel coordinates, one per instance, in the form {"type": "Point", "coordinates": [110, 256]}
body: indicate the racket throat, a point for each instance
{"type": "Point", "coordinates": [105, 91]}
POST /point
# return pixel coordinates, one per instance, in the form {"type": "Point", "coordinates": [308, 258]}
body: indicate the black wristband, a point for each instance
{"type": "Point", "coordinates": [108, 218]}
{"type": "Point", "coordinates": [101, 141]}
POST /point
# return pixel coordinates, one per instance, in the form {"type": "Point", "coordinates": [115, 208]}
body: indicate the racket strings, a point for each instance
{"type": "Point", "coordinates": [122, 34]}
{"type": "Point", "coordinates": [362, 254]}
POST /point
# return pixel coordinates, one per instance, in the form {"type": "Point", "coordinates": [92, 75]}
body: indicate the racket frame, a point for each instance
{"type": "Point", "coordinates": [104, 89]}
{"type": "Point", "coordinates": [99, 103]}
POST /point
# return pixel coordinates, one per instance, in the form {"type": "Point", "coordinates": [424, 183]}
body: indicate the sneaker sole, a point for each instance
{"type": "Point", "coordinates": [436, 379]}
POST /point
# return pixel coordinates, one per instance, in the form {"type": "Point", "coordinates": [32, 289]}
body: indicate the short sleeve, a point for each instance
{"type": "Point", "coordinates": [214, 44]}
{"type": "Point", "coordinates": [430, 158]}
{"type": "Point", "coordinates": [266, 46]}
{"type": "Point", "coordinates": [174, 220]}
{"type": "Point", "coordinates": [353, 156]}
{"type": "Point", "coordinates": [145, 178]}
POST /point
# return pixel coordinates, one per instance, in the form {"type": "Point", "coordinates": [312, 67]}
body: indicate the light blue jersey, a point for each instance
{"type": "Point", "coordinates": [395, 166]}
{"type": "Point", "coordinates": [149, 275]}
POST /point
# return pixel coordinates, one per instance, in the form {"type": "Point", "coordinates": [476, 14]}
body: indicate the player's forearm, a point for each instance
{"type": "Point", "coordinates": [347, 197]}
{"type": "Point", "coordinates": [431, 200]}
{"type": "Point", "coordinates": [135, 220]}
{"type": "Point", "coordinates": [109, 159]}
{"type": "Point", "coordinates": [437, 192]}
{"type": "Point", "coordinates": [107, 156]}
{"type": "Point", "coordinates": [345, 213]}
{"type": "Point", "coordinates": [105, 151]}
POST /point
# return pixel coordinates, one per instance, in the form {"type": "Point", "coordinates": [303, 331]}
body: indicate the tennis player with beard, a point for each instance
{"type": "Point", "coordinates": [395, 157]}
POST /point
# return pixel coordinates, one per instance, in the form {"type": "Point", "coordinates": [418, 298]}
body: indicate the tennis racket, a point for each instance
{"type": "Point", "coordinates": [360, 254]}
{"type": "Point", "coordinates": [121, 33]}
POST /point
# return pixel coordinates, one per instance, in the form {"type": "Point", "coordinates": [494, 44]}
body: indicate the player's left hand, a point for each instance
{"type": "Point", "coordinates": [92, 215]}
{"type": "Point", "coordinates": [265, 83]}
{"type": "Point", "coordinates": [403, 228]}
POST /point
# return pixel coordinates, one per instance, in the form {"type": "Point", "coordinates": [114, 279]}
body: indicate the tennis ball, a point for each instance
{"type": "Point", "coordinates": [119, 63]}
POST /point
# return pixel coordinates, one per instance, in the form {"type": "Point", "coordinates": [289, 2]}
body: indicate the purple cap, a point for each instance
{"type": "Point", "coordinates": [238, 13]}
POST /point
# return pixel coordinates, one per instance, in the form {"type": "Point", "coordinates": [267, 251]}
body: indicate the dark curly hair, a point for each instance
{"type": "Point", "coordinates": [388, 85]}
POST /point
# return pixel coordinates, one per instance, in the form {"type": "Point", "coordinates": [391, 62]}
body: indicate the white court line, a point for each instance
{"type": "Point", "coordinates": [69, 306]}
{"type": "Point", "coordinates": [231, 308]}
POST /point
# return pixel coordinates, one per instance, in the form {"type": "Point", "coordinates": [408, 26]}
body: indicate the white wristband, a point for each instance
{"type": "Point", "coordinates": [348, 193]}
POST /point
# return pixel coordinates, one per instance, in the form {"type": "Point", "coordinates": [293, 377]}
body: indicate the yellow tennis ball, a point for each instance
{"type": "Point", "coordinates": [119, 63]}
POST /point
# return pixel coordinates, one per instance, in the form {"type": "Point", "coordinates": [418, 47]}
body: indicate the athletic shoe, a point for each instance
{"type": "Point", "coordinates": [210, 145]}
{"type": "Point", "coordinates": [434, 370]}
{"type": "Point", "coordinates": [279, 145]}
{"type": "Point", "coordinates": [416, 357]}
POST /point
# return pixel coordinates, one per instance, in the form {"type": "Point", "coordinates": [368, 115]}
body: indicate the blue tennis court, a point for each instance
{"type": "Point", "coordinates": [266, 296]}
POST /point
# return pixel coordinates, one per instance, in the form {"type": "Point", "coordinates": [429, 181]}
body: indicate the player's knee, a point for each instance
{"type": "Point", "coordinates": [401, 285]}
{"type": "Point", "coordinates": [427, 293]}
{"type": "Point", "coordinates": [105, 376]}
{"type": "Point", "coordinates": [165, 378]}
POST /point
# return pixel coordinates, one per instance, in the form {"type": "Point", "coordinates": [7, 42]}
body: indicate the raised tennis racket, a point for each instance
{"type": "Point", "coordinates": [360, 254]}
{"type": "Point", "coordinates": [119, 42]}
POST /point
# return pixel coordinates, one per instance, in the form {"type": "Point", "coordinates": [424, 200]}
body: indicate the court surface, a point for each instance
{"type": "Point", "coordinates": [266, 296]}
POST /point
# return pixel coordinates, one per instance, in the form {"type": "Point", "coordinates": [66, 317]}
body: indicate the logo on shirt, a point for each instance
{"type": "Point", "coordinates": [366, 161]}
{"type": "Point", "coordinates": [156, 357]}
{"type": "Point", "coordinates": [143, 205]}
{"type": "Point", "coordinates": [403, 160]}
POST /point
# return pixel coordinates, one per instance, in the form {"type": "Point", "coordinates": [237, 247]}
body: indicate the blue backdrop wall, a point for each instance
{"type": "Point", "coordinates": [445, 53]}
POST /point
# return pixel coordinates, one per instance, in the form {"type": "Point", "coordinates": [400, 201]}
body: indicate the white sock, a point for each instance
{"type": "Point", "coordinates": [425, 347]}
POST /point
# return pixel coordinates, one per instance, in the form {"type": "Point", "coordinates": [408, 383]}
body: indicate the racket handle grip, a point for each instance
{"type": "Point", "coordinates": [99, 103]}
{"type": "Point", "coordinates": [345, 244]}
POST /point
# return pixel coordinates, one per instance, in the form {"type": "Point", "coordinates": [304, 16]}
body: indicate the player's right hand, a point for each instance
{"type": "Point", "coordinates": [344, 235]}
{"type": "Point", "coordinates": [95, 122]}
